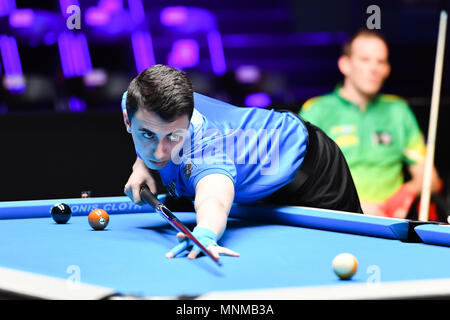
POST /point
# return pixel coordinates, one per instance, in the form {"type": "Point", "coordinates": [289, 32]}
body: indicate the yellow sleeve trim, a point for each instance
{"type": "Point", "coordinates": [416, 154]}
{"type": "Point", "coordinates": [392, 98]}
{"type": "Point", "coordinates": [308, 104]}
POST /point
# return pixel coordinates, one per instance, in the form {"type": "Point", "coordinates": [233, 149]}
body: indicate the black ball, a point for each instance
{"type": "Point", "coordinates": [61, 213]}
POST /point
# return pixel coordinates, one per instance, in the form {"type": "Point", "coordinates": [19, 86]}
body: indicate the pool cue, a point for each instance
{"type": "Point", "coordinates": [148, 197]}
{"type": "Point", "coordinates": [432, 127]}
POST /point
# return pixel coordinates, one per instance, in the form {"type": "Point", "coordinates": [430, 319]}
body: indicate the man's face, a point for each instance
{"type": "Point", "coordinates": [155, 139]}
{"type": "Point", "coordinates": [367, 67]}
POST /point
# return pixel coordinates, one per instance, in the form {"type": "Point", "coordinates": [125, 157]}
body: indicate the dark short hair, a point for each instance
{"type": "Point", "coordinates": [162, 90]}
{"type": "Point", "coordinates": [347, 46]}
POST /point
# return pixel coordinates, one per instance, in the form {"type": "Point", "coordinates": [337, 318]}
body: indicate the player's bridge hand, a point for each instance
{"type": "Point", "coordinates": [206, 237]}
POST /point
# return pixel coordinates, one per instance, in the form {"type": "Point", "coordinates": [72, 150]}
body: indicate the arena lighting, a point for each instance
{"type": "Point", "coordinates": [111, 5]}
{"type": "Point", "coordinates": [104, 13]}
{"type": "Point", "coordinates": [247, 74]}
{"type": "Point", "coordinates": [189, 20]}
{"type": "Point", "coordinates": [74, 54]}
{"type": "Point", "coordinates": [95, 78]}
{"type": "Point", "coordinates": [21, 18]}
{"type": "Point", "coordinates": [64, 4]}
{"type": "Point", "coordinates": [258, 100]}
{"type": "Point", "coordinates": [184, 54]}
{"type": "Point", "coordinates": [142, 49]}
{"type": "Point", "coordinates": [136, 10]}
{"type": "Point", "coordinates": [101, 15]}
{"type": "Point", "coordinates": [50, 38]}
{"type": "Point", "coordinates": [10, 55]}
{"type": "Point", "coordinates": [6, 7]}
{"type": "Point", "coordinates": [36, 27]}
{"type": "Point", "coordinates": [76, 104]}
{"type": "Point", "coordinates": [174, 16]}
{"type": "Point", "coordinates": [96, 17]}
{"type": "Point", "coordinates": [13, 81]}
{"type": "Point", "coordinates": [216, 52]}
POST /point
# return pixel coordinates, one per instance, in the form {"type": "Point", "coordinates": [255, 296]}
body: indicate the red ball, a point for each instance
{"type": "Point", "coordinates": [98, 219]}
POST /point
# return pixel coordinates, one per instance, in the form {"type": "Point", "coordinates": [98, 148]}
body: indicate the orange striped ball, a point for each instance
{"type": "Point", "coordinates": [98, 219]}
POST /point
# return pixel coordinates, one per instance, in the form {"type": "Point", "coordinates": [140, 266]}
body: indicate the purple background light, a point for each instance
{"type": "Point", "coordinates": [137, 11]}
{"type": "Point", "coordinates": [74, 54]}
{"type": "Point", "coordinates": [76, 104]}
{"type": "Point", "coordinates": [184, 54]}
{"type": "Point", "coordinates": [13, 81]}
{"type": "Point", "coordinates": [10, 56]}
{"type": "Point", "coordinates": [248, 74]}
{"type": "Point", "coordinates": [174, 16]}
{"type": "Point", "coordinates": [218, 64]}
{"type": "Point", "coordinates": [50, 38]}
{"type": "Point", "coordinates": [188, 19]}
{"type": "Point", "coordinates": [96, 17]}
{"type": "Point", "coordinates": [143, 50]}
{"type": "Point", "coordinates": [111, 5]}
{"type": "Point", "coordinates": [21, 18]}
{"type": "Point", "coordinates": [258, 100]}
{"type": "Point", "coordinates": [6, 7]}
{"type": "Point", "coordinates": [64, 4]}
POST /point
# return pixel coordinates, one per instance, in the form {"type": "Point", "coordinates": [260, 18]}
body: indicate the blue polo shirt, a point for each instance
{"type": "Point", "coordinates": [259, 150]}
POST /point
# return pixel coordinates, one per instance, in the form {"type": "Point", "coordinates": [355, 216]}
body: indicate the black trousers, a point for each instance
{"type": "Point", "coordinates": [323, 179]}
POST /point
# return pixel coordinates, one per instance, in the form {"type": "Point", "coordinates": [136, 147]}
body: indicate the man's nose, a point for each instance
{"type": "Point", "coordinates": [160, 151]}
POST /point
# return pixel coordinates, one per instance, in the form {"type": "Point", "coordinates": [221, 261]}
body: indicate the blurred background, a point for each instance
{"type": "Point", "coordinates": [65, 65]}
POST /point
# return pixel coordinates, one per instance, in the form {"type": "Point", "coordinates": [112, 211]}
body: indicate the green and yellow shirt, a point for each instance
{"type": "Point", "coordinates": [374, 142]}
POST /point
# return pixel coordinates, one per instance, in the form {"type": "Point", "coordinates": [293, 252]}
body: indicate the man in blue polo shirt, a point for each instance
{"type": "Point", "coordinates": [218, 154]}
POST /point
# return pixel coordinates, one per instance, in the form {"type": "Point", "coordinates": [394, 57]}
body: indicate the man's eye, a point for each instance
{"type": "Point", "coordinates": [148, 135]}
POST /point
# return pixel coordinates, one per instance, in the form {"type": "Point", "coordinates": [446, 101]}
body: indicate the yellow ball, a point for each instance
{"type": "Point", "coordinates": [345, 265]}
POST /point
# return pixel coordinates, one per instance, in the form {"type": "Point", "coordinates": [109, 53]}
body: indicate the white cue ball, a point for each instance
{"type": "Point", "coordinates": [345, 265]}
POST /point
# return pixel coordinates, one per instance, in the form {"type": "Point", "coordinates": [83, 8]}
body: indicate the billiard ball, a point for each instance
{"type": "Point", "coordinates": [345, 265]}
{"type": "Point", "coordinates": [98, 219]}
{"type": "Point", "coordinates": [61, 213]}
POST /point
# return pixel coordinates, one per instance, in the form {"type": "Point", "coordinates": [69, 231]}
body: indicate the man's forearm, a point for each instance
{"type": "Point", "coordinates": [213, 215]}
{"type": "Point", "coordinates": [417, 174]}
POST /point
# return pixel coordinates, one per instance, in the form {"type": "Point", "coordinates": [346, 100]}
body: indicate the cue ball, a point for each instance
{"type": "Point", "coordinates": [61, 213]}
{"type": "Point", "coordinates": [345, 265]}
{"type": "Point", "coordinates": [98, 219]}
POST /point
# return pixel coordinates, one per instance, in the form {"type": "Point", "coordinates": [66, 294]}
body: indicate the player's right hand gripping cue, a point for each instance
{"type": "Point", "coordinates": [141, 175]}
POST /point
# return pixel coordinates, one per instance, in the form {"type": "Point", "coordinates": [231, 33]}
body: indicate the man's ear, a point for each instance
{"type": "Point", "coordinates": [344, 64]}
{"type": "Point", "coordinates": [126, 121]}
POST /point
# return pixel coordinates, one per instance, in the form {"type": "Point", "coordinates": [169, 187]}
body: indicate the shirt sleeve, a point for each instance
{"type": "Point", "coordinates": [414, 148]}
{"type": "Point", "coordinates": [203, 172]}
{"type": "Point", "coordinates": [205, 160]}
{"type": "Point", "coordinates": [311, 112]}
{"type": "Point", "coordinates": [210, 165]}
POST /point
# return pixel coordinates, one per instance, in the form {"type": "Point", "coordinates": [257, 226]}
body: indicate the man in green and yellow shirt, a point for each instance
{"type": "Point", "coordinates": [377, 133]}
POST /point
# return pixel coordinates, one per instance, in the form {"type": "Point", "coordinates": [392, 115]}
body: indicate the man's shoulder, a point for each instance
{"type": "Point", "coordinates": [394, 100]}
{"type": "Point", "coordinates": [319, 102]}
{"type": "Point", "coordinates": [396, 105]}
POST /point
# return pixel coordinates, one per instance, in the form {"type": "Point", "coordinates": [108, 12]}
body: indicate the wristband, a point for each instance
{"type": "Point", "coordinates": [205, 236]}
